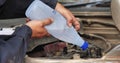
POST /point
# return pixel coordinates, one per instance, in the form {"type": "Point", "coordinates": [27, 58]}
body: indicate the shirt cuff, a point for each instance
{"type": "Point", "coordinates": [23, 31]}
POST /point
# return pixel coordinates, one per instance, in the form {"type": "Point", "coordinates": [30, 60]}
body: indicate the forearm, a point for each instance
{"type": "Point", "coordinates": [59, 7]}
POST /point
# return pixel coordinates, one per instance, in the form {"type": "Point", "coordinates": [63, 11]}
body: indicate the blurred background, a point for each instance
{"type": "Point", "coordinates": [83, 1]}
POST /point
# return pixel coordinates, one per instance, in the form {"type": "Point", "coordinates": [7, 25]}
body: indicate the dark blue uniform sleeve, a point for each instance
{"type": "Point", "coordinates": [16, 8]}
{"type": "Point", "coordinates": [51, 3]}
{"type": "Point", "coordinates": [13, 49]}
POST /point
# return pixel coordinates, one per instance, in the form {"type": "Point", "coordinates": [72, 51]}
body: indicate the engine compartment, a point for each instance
{"type": "Point", "coordinates": [97, 27]}
{"type": "Point", "coordinates": [62, 50]}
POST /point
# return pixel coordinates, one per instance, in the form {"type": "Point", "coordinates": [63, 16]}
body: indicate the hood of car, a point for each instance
{"type": "Point", "coordinates": [115, 9]}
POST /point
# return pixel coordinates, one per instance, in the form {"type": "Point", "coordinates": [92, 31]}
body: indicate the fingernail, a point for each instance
{"type": "Point", "coordinates": [77, 28]}
{"type": "Point", "coordinates": [70, 24]}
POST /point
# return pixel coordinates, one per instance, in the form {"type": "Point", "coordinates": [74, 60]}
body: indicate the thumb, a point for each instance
{"type": "Point", "coordinates": [47, 21]}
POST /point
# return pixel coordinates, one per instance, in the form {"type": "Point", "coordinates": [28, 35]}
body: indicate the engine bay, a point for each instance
{"type": "Point", "coordinates": [97, 27]}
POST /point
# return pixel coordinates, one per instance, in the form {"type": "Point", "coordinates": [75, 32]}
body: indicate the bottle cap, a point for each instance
{"type": "Point", "coordinates": [85, 45]}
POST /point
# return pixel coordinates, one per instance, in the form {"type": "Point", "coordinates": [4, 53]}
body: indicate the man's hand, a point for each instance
{"type": "Point", "coordinates": [37, 27]}
{"type": "Point", "coordinates": [68, 15]}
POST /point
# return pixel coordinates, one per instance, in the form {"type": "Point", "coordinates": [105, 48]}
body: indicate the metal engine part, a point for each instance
{"type": "Point", "coordinates": [62, 50]}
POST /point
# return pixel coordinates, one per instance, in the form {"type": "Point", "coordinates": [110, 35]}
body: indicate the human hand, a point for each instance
{"type": "Point", "coordinates": [37, 27]}
{"type": "Point", "coordinates": [71, 20]}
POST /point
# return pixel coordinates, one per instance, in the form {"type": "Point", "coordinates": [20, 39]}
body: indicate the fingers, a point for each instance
{"type": "Point", "coordinates": [71, 20]}
{"type": "Point", "coordinates": [76, 23]}
{"type": "Point", "coordinates": [68, 17]}
{"type": "Point", "coordinates": [47, 21]}
{"type": "Point", "coordinates": [40, 32]}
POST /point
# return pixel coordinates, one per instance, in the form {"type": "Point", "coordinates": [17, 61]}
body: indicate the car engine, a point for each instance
{"type": "Point", "coordinates": [97, 27]}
